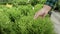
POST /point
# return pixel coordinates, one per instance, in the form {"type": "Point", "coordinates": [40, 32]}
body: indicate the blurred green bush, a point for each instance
{"type": "Point", "coordinates": [19, 20]}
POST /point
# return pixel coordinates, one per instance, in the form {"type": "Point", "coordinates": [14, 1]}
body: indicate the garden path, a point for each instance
{"type": "Point", "coordinates": [55, 17]}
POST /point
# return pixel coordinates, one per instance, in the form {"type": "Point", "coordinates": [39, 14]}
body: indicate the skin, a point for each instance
{"type": "Point", "coordinates": [43, 12]}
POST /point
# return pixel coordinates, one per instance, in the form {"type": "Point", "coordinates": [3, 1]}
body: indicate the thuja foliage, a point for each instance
{"type": "Point", "coordinates": [19, 20]}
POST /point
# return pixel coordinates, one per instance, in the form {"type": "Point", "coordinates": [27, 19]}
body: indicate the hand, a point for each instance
{"type": "Point", "coordinates": [43, 12]}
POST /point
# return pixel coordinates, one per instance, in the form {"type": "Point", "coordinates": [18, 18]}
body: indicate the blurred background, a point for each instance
{"type": "Point", "coordinates": [16, 17]}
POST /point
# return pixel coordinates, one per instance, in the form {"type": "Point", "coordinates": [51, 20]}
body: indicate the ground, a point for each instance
{"type": "Point", "coordinates": [55, 17]}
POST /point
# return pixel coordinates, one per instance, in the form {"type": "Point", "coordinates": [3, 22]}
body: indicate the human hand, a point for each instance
{"type": "Point", "coordinates": [43, 12]}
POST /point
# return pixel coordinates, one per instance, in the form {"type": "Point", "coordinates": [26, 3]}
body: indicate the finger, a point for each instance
{"type": "Point", "coordinates": [45, 14]}
{"type": "Point", "coordinates": [36, 16]}
{"type": "Point", "coordinates": [42, 14]}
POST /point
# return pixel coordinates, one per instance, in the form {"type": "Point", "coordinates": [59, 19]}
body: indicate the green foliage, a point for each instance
{"type": "Point", "coordinates": [5, 1]}
{"type": "Point", "coordinates": [38, 7]}
{"type": "Point", "coordinates": [19, 2]}
{"type": "Point", "coordinates": [59, 5]}
{"type": "Point", "coordinates": [19, 20]}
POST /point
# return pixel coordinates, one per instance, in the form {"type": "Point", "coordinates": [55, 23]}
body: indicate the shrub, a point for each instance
{"type": "Point", "coordinates": [19, 20]}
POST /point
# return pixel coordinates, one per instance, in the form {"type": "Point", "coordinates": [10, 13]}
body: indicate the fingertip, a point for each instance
{"type": "Point", "coordinates": [34, 18]}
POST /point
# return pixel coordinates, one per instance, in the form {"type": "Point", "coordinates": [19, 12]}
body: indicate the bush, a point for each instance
{"type": "Point", "coordinates": [39, 26]}
{"type": "Point", "coordinates": [38, 7]}
{"type": "Point", "coordinates": [19, 20]}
